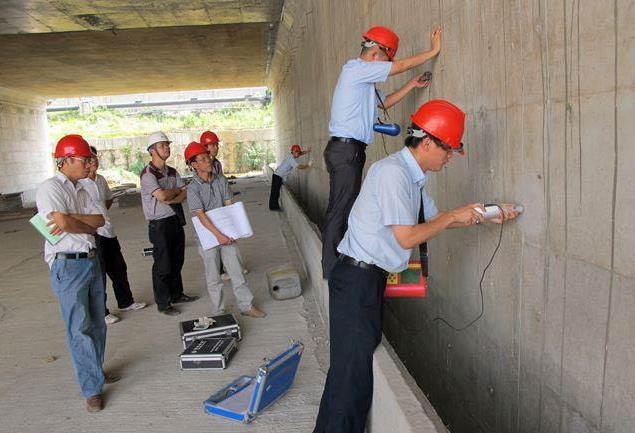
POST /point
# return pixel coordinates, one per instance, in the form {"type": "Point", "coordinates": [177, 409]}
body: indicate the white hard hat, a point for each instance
{"type": "Point", "coordinates": [156, 137]}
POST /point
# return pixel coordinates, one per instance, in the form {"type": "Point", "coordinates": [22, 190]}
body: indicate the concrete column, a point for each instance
{"type": "Point", "coordinates": [25, 154]}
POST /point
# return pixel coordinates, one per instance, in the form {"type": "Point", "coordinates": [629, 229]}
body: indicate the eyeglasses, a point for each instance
{"type": "Point", "coordinates": [83, 160]}
{"type": "Point", "coordinates": [444, 146]}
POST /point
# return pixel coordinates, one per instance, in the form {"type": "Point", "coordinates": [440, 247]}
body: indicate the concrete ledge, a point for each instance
{"type": "Point", "coordinates": [398, 404]}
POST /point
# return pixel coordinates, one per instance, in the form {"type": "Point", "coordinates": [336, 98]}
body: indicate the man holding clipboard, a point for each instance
{"type": "Point", "coordinates": [76, 277]}
{"type": "Point", "coordinates": [209, 191]}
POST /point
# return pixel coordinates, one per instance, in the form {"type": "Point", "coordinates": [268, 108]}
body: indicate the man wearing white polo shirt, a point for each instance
{"type": "Point", "coordinates": [284, 169]}
{"type": "Point", "coordinates": [76, 277]}
{"type": "Point", "coordinates": [108, 248]}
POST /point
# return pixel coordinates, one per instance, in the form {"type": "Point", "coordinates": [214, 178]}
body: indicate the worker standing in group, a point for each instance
{"type": "Point", "coordinates": [392, 215]}
{"type": "Point", "coordinates": [209, 191]}
{"type": "Point", "coordinates": [282, 171]}
{"type": "Point", "coordinates": [211, 142]}
{"type": "Point", "coordinates": [108, 248]}
{"type": "Point", "coordinates": [162, 192]}
{"type": "Point", "coordinates": [353, 113]}
{"type": "Point", "coordinates": [76, 277]}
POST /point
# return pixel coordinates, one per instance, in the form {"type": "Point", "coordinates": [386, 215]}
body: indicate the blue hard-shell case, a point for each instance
{"type": "Point", "coordinates": [245, 397]}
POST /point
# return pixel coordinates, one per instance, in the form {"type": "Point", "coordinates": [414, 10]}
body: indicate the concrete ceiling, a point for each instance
{"type": "Point", "coordinates": [61, 48]}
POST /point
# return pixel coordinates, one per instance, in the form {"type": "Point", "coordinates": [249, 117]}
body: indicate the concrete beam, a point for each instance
{"type": "Point", "coordinates": [44, 16]}
{"type": "Point", "coordinates": [135, 61]}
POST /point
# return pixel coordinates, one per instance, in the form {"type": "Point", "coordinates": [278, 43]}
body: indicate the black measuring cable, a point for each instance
{"type": "Point", "coordinates": [480, 284]}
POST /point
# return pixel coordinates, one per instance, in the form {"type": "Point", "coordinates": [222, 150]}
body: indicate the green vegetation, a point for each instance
{"type": "Point", "coordinates": [253, 156]}
{"type": "Point", "coordinates": [124, 163]}
{"type": "Point", "coordinates": [113, 123]}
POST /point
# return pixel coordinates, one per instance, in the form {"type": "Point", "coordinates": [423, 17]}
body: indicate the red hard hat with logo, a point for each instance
{"type": "Point", "coordinates": [193, 149]}
{"type": "Point", "coordinates": [442, 120]}
{"type": "Point", "coordinates": [208, 137]}
{"type": "Point", "coordinates": [72, 145]}
{"type": "Point", "coordinates": [384, 37]}
{"type": "Point", "coordinates": [296, 148]}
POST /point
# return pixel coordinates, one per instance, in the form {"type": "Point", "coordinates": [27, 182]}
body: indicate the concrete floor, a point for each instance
{"type": "Point", "coordinates": [38, 391]}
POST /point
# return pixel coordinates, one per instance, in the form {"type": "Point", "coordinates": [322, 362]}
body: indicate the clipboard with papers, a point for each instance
{"type": "Point", "coordinates": [40, 223]}
{"type": "Point", "coordinates": [231, 220]}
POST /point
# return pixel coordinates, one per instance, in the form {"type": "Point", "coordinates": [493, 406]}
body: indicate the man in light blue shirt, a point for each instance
{"type": "Point", "coordinates": [284, 169]}
{"type": "Point", "coordinates": [353, 112]}
{"type": "Point", "coordinates": [385, 224]}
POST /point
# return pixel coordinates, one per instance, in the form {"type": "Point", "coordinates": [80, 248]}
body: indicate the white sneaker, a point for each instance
{"type": "Point", "coordinates": [225, 276]}
{"type": "Point", "coordinates": [134, 306]}
{"type": "Point", "coordinates": [111, 318]}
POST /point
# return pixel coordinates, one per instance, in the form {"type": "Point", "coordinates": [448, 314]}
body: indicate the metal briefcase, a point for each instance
{"type": "Point", "coordinates": [224, 325]}
{"type": "Point", "coordinates": [245, 397]}
{"type": "Point", "coordinates": [208, 354]}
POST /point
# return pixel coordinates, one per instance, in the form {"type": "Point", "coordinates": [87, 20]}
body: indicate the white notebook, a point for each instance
{"type": "Point", "coordinates": [231, 220]}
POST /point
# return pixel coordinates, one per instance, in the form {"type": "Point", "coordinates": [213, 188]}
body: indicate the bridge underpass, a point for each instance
{"type": "Point", "coordinates": [548, 91]}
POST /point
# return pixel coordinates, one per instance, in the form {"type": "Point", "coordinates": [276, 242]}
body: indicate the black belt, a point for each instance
{"type": "Point", "coordinates": [165, 220]}
{"type": "Point", "coordinates": [351, 261]}
{"type": "Point", "coordinates": [75, 256]}
{"type": "Point", "coordinates": [348, 140]}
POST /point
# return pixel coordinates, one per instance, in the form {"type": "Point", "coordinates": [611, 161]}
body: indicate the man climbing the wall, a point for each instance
{"type": "Point", "coordinates": [392, 215]}
{"type": "Point", "coordinates": [353, 112]}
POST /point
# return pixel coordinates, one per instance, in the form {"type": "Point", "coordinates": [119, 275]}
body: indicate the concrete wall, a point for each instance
{"type": "Point", "coordinates": [24, 150]}
{"type": "Point", "coordinates": [548, 88]}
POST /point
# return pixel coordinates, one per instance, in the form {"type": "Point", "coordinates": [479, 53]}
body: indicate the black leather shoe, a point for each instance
{"type": "Point", "coordinates": [185, 298]}
{"type": "Point", "coordinates": [169, 311]}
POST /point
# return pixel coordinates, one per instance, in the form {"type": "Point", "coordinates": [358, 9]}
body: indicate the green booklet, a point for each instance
{"type": "Point", "coordinates": [40, 224]}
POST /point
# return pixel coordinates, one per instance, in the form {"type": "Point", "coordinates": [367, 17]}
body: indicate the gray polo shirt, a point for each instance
{"type": "Point", "coordinates": [207, 195]}
{"type": "Point", "coordinates": [152, 179]}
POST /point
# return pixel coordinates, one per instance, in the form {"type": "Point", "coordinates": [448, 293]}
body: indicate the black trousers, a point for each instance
{"type": "Point", "coordinates": [168, 243]}
{"type": "Point", "coordinates": [356, 299]}
{"type": "Point", "coordinates": [274, 196]}
{"type": "Point", "coordinates": [344, 162]}
{"type": "Point", "coordinates": [113, 264]}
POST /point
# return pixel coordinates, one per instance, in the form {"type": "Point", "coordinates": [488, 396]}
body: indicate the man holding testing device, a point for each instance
{"type": "Point", "coordinates": [392, 215]}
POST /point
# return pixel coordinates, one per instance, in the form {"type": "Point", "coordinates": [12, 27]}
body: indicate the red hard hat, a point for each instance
{"type": "Point", "coordinates": [384, 37]}
{"type": "Point", "coordinates": [296, 148]}
{"type": "Point", "coordinates": [193, 149]}
{"type": "Point", "coordinates": [442, 120]}
{"type": "Point", "coordinates": [72, 145]}
{"type": "Point", "coordinates": [208, 137]}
